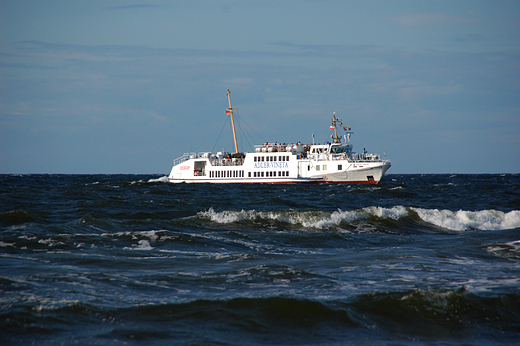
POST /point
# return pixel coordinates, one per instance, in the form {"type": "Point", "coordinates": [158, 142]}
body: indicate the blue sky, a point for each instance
{"type": "Point", "coordinates": [128, 86]}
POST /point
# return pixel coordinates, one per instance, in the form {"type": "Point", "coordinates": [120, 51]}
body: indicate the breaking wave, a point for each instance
{"type": "Point", "coordinates": [159, 180]}
{"type": "Point", "coordinates": [484, 220]}
{"type": "Point", "coordinates": [456, 221]}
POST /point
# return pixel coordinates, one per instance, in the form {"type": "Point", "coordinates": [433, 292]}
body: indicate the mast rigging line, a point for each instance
{"type": "Point", "coordinates": [214, 145]}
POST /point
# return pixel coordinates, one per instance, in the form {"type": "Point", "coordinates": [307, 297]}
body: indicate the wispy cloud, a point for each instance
{"type": "Point", "coordinates": [135, 6]}
{"type": "Point", "coordinates": [433, 19]}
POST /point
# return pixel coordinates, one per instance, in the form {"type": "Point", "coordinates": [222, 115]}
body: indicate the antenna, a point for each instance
{"type": "Point", "coordinates": [335, 122]}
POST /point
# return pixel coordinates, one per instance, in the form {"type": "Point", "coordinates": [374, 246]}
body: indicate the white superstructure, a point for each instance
{"type": "Point", "coordinates": [275, 163]}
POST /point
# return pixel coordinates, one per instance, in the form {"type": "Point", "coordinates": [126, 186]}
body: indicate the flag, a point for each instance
{"type": "Point", "coordinates": [346, 128]}
{"type": "Point", "coordinates": [331, 127]}
{"type": "Point", "coordinates": [228, 112]}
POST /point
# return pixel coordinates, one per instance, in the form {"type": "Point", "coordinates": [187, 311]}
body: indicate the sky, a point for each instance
{"type": "Point", "coordinates": [91, 87]}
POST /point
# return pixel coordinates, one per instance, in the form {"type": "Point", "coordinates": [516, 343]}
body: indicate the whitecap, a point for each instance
{"type": "Point", "coordinates": [394, 213]}
{"type": "Point", "coordinates": [306, 218]}
{"type": "Point", "coordinates": [485, 220]}
{"type": "Point", "coordinates": [159, 180]}
{"type": "Point", "coordinates": [141, 245]}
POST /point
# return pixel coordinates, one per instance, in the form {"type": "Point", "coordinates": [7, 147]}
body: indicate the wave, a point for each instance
{"type": "Point", "coordinates": [507, 250]}
{"type": "Point", "coordinates": [159, 180]}
{"type": "Point", "coordinates": [426, 315]}
{"type": "Point", "coordinates": [16, 217]}
{"type": "Point", "coordinates": [315, 219]}
{"type": "Point", "coordinates": [484, 220]}
{"type": "Point", "coordinates": [455, 221]}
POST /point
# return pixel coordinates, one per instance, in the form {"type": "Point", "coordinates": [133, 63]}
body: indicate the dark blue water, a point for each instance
{"type": "Point", "coordinates": [126, 259]}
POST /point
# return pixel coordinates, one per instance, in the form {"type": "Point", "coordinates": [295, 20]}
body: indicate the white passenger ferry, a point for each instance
{"type": "Point", "coordinates": [274, 163]}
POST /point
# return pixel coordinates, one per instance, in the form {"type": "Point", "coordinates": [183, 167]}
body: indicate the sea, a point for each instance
{"type": "Point", "coordinates": [429, 259]}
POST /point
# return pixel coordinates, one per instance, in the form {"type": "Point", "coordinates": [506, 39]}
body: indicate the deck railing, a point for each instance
{"type": "Point", "coordinates": [184, 157]}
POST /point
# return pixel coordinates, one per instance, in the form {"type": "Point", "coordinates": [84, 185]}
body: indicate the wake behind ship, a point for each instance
{"type": "Point", "coordinates": [274, 163]}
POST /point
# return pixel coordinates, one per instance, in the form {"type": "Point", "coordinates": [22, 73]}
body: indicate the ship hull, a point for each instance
{"type": "Point", "coordinates": [293, 171]}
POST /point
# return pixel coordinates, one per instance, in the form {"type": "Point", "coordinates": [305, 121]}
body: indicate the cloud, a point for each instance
{"type": "Point", "coordinates": [136, 6]}
{"type": "Point", "coordinates": [239, 81]}
{"type": "Point", "coordinates": [434, 19]}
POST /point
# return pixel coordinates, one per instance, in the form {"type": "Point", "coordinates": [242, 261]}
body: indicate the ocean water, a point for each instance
{"type": "Point", "coordinates": [132, 259]}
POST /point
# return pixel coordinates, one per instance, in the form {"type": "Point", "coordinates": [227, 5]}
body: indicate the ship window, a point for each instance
{"type": "Point", "coordinates": [262, 174]}
{"type": "Point", "coordinates": [340, 167]}
{"type": "Point", "coordinates": [255, 158]}
{"type": "Point", "coordinates": [271, 159]}
{"type": "Point", "coordinates": [279, 173]}
{"type": "Point", "coordinates": [274, 158]}
{"type": "Point", "coordinates": [263, 158]}
{"type": "Point", "coordinates": [249, 174]}
{"type": "Point", "coordinates": [317, 167]}
{"type": "Point", "coordinates": [287, 173]}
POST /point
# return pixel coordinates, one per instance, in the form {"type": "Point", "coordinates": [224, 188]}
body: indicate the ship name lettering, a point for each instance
{"type": "Point", "coordinates": [271, 165]}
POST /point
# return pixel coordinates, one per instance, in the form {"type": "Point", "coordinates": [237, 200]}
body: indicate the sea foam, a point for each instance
{"type": "Point", "coordinates": [457, 221]}
{"type": "Point", "coordinates": [484, 220]}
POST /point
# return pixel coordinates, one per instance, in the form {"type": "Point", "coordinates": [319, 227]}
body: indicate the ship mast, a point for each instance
{"type": "Point", "coordinates": [334, 123]}
{"type": "Point", "coordinates": [230, 112]}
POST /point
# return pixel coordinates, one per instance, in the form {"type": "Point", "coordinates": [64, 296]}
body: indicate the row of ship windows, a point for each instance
{"type": "Point", "coordinates": [271, 158]}
{"type": "Point", "coordinates": [226, 174]}
{"type": "Point", "coordinates": [270, 174]}
{"type": "Point", "coordinates": [240, 174]}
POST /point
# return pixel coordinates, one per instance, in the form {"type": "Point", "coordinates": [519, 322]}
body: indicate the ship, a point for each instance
{"type": "Point", "coordinates": [334, 162]}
